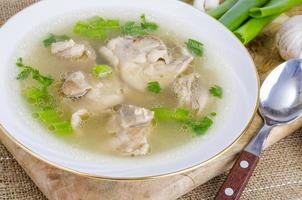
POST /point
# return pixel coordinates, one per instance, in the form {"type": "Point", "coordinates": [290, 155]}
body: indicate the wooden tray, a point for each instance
{"type": "Point", "coordinates": [57, 184]}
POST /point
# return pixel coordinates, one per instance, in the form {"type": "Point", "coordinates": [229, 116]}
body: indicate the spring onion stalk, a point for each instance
{"type": "Point", "coordinates": [252, 28]}
{"type": "Point", "coordinates": [239, 13]}
{"type": "Point", "coordinates": [222, 8]}
{"type": "Point", "coordinates": [274, 7]}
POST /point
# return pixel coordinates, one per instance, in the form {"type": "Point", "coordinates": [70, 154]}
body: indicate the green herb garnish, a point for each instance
{"type": "Point", "coordinates": [132, 28]}
{"type": "Point", "coordinates": [185, 117]}
{"type": "Point", "coordinates": [213, 114]}
{"type": "Point", "coordinates": [154, 87]}
{"type": "Point", "coordinates": [216, 91]}
{"type": "Point", "coordinates": [26, 71]}
{"type": "Point", "coordinates": [54, 38]}
{"type": "Point", "coordinates": [62, 128]}
{"type": "Point", "coordinates": [195, 47]}
{"type": "Point", "coordinates": [96, 27]}
{"type": "Point", "coordinates": [200, 126]}
{"type": "Point", "coordinates": [42, 100]}
{"type": "Point", "coordinates": [179, 114]}
{"type": "Point", "coordinates": [102, 71]}
{"type": "Point", "coordinates": [148, 25]}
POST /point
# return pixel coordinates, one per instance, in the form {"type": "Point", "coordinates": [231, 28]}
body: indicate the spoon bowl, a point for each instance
{"type": "Point", "coordinates": [281, 94]}
{"type": "Point", "coordinates": [280, 103]}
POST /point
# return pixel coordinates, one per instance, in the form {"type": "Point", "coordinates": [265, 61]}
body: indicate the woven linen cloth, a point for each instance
{"type": "Point", "coordinates": [277, 177]}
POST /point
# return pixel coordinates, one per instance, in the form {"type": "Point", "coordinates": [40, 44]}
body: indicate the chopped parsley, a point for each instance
{"type": "Point", "coordinates": [96, 27]}
{"type": "Point", "coordinates": [148, 25]}
{"type": "Point", "coordinates": [200, 126]}
{"type": "Point", "coordinates": [26, 71]}
{"type": "Point", "coordinates": [154, 87]}
{"type": "Point", "coordinates": [216, 91]}
{"type": "Point", "coordinates": [102, 71]}
{"type": "Point", "coordinates": [195, 47]}
{"type": "Point", "coordinates": [132, 28]}
{"type": "Point", "coordinates": [54, 38]}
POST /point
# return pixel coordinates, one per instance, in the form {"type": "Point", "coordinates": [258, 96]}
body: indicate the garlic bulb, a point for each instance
{"type": "Point", "coordinates": [289, 38]}
{"type": "Point", "coordinates": [205, 5]}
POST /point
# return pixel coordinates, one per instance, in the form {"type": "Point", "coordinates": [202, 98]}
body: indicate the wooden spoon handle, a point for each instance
{"type": "Point", "coordinates": [238, 177]}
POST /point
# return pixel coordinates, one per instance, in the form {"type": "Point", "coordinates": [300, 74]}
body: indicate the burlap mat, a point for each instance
{"type": "Point", "coordinates": [277, 177]}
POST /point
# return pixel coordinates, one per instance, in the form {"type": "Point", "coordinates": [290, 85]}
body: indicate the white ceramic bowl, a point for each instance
{"type": "Point", "coordinates": [223, 51]}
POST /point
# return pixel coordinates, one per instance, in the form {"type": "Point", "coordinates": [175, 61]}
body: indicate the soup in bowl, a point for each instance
{"type": "Point", "coordinates": [124, 90]}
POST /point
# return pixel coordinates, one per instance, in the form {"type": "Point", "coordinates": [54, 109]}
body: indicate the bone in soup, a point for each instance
{"type": "Point", "coordinates": [120, 88]}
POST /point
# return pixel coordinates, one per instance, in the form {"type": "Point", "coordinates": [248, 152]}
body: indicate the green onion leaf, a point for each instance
{"type": "Point", "coordinates": [195, 47]}
{"type": "Point", "coordinates": [102, 71]}
{"type": "Point", "coordinates": [162, 114]}
{"type": "Point", "coordinates": [96, 27]}
{"type": "Point", "coordinates": [54, 38]}
{"type": "Point", "coordinates": [35, 93]}
{"type": "Point", "coordinates": [216, 91]}
{"type": "Point", "coordinates": [154, 87]}
{"type": "Point", "coordinates": [182, 114]}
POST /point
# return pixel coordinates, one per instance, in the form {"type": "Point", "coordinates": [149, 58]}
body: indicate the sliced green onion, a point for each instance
{"type": "Point", "coordinates": [222, 8]}
{"type": "Point", "coordinates": [102, 71]}
{"type": "Point", "coordinates": [195, 47]}
{"type": "Point", "coordinates": [62, 128]}
{"type": "Point", "coordinates": [274, 7]}
{"type": "Point", "coordinates": [252, 28]}
{"type": "Point", "coordinates": [96, 27]}
{"type": "Point", "coordinates": [34, 93]}
{"type": "Point", "coordinates": [239, 13]}
{"type": "Point", "coordinates": [163, 113]}
{"type": "Point", "coordinates": [182, 114]}
{"type": "Point", "coordinates": [48, 116]}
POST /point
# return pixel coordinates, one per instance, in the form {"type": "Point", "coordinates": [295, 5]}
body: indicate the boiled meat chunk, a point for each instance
{"type": "Point", "coordinates": [75, 85]}
{"type": "Point", "coordinates": [92, 94]}
{"type": "Point", "coordinates": [142, 59]}
{"type": "Point", "coordinates": [190, 92]}
{"type": "Point", "coordinates": [78, 117]}
{"type": "Point", "coordinates": [131, 126]}
{"type": "Point", "coordinates": [70, 50]}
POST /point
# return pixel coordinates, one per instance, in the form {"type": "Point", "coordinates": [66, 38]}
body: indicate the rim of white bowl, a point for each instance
{"type": "Point", "coordinates": [184, 170]}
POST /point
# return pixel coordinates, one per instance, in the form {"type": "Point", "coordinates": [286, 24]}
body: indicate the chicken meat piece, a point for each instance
{"type": "Point", "coordinates": [190, 92]}
{"type": "Point", "coordinates": [131, 126]}
{"type": "Point", "coordinates": [75, 85]}
{"type": "Point", "coordinates": [78, 117]}
{"type": "Point", "coordinates": [70, 50]}
{"type": "Point", "coordinates": [142, 59]}
{"type": "Point", "coordinates": [92, 94]}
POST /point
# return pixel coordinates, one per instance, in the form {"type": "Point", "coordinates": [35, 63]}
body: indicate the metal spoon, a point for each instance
{"type": "Point", "coordinates": [280, 103]}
